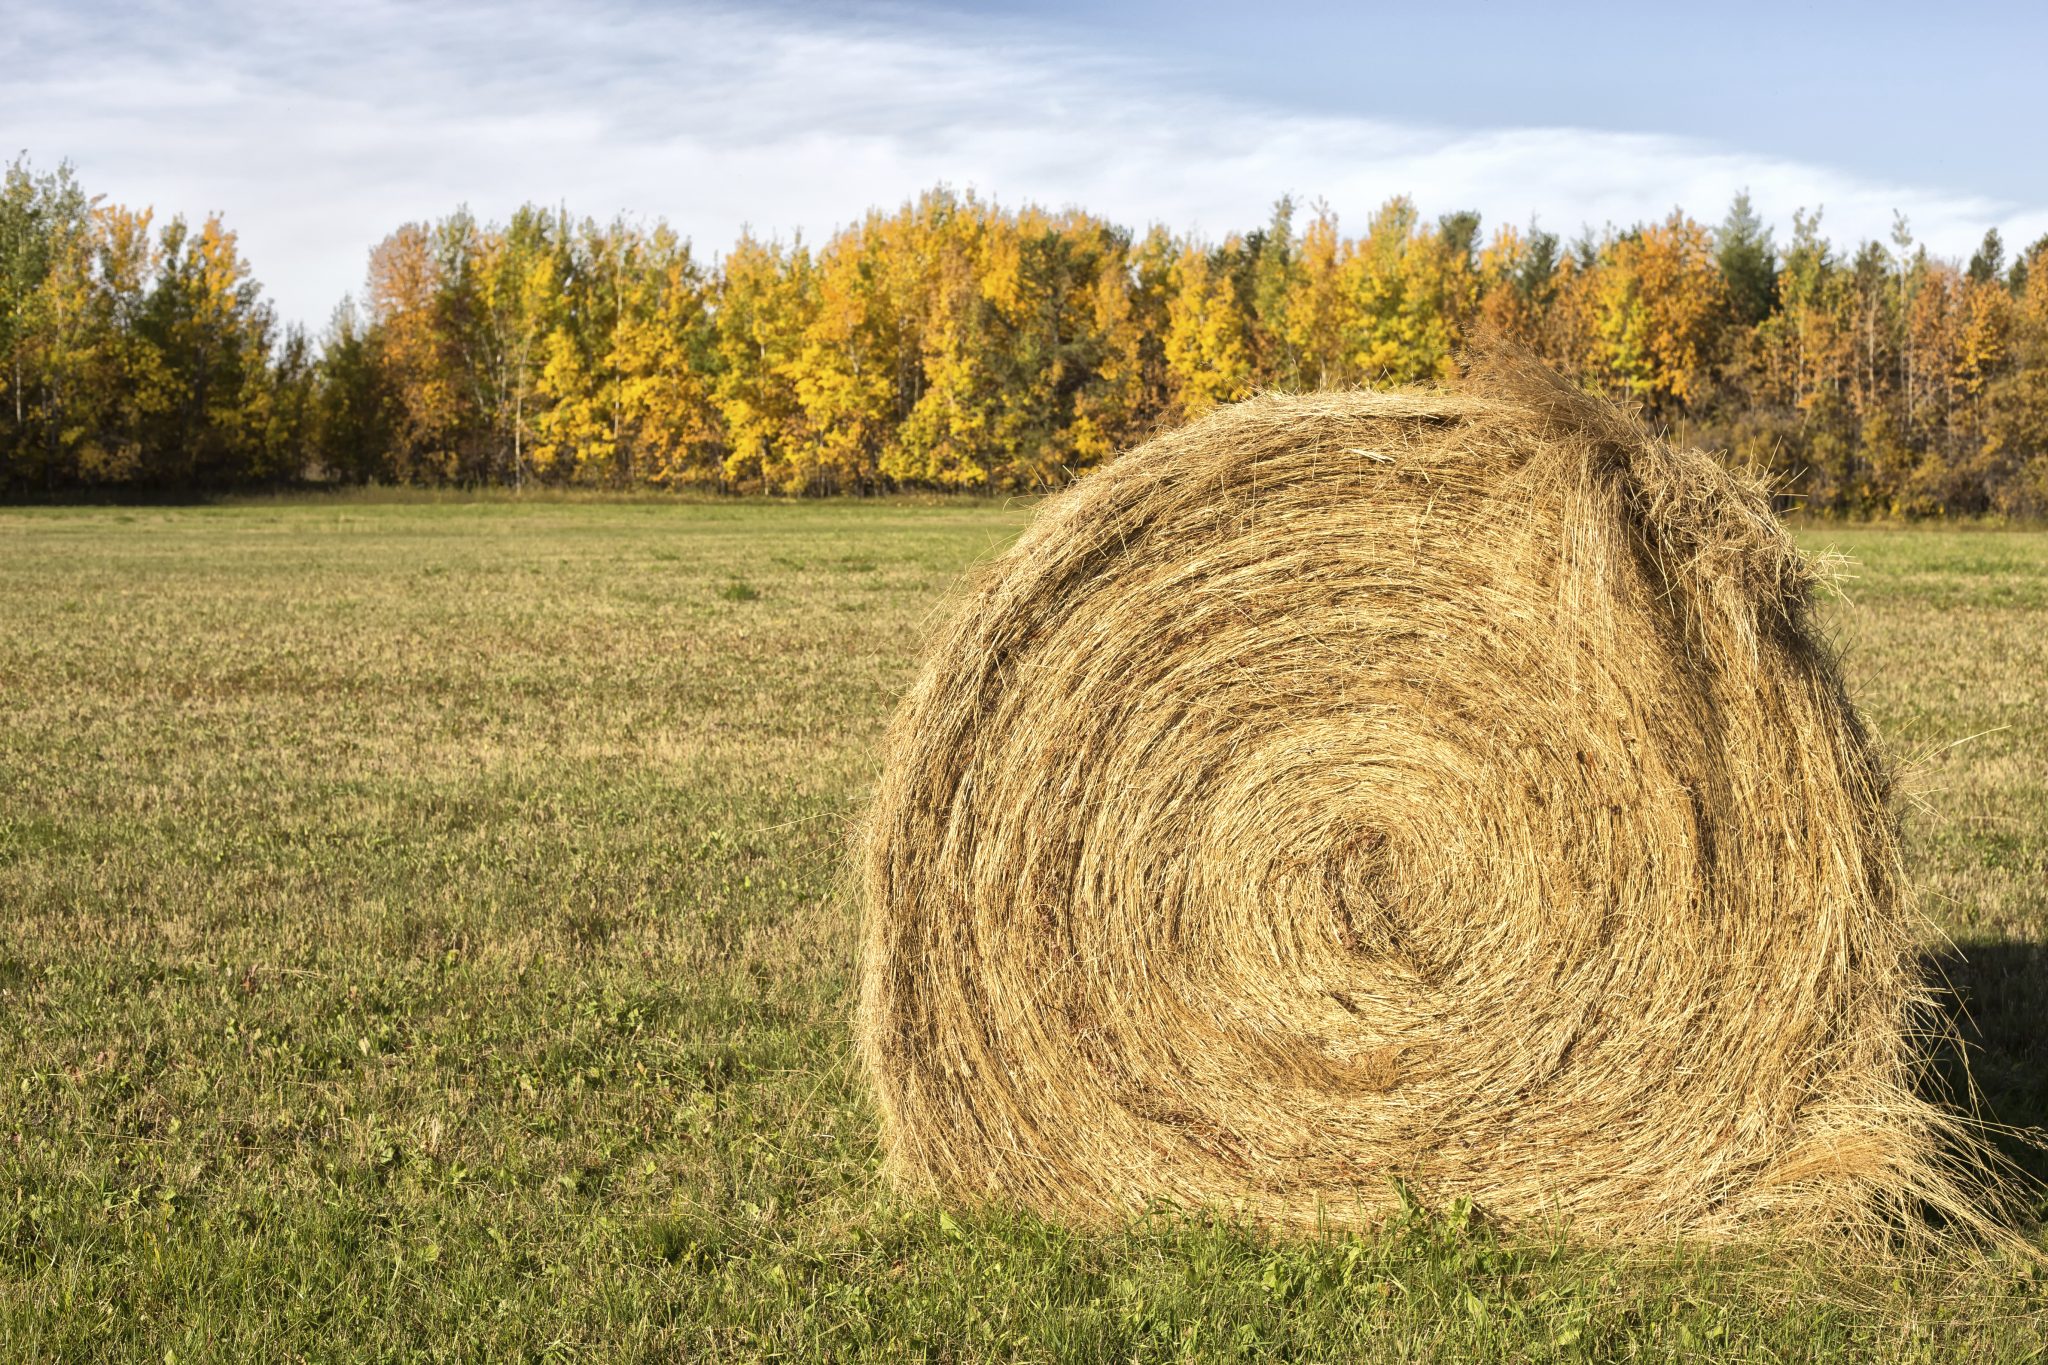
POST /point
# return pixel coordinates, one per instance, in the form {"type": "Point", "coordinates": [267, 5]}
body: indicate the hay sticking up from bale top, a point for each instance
{"type": "Point", "coordinates": [1440, 785]}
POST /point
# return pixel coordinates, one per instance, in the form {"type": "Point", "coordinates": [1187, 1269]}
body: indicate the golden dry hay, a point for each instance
{"type": "Point", "coordinates": [1448, 786]}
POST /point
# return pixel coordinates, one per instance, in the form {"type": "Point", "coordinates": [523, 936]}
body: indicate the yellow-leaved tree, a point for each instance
{"type": "Point", "coordinates": [1321, 310]}
{"type": "Point", "coordinates": [416, 352]}
{"type": "Point", "coordinates": [1208, 356]}
{"type": "Point", "coordinates": [1659, 303]}
{"type": "Point", "coordinates": [663, 352]}
{"type": "Point", "coordinates": [766, 298]}
{"type": "Point", "coordinates": [1413, 293]}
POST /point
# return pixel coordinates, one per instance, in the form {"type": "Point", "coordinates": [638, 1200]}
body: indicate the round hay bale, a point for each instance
{"type": "Point", "coordinates": [1448, 787]}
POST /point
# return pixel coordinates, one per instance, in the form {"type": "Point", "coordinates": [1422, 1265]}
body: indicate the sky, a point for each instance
{"type": "Point", "coordinates": [315, 128]}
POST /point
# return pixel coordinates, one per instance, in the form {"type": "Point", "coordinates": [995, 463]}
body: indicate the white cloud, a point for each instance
{"type": "Point", "coordinates": [316, 129]}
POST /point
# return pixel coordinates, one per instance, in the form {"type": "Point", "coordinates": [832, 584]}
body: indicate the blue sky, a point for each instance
{"type": "Point", "coordinates": [316, 128]}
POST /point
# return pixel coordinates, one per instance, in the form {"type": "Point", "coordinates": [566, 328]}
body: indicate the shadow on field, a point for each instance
{"type": "Point", "coordinates": [2000, 1005]}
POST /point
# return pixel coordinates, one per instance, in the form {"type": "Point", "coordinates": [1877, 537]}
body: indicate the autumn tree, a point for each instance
{"type": "Point", "coordinates": [1518, 283]}
{"type": "Point", "coordinates": [2016, 436]}
{"type": "Point", "coordinates": [1318, 315]}
{"type": "Point", "coordinates": [663, 352]}
{"type": "Point", "coordinates": [1413, 293]}
{"type": "Point", "coordinates": [766, 296]}
{"type": "Point", "coordinates": [1659, 302]}
{"type": "Point", "coordinates": [1208, 351]}
{"type": "Point", "coordinates": [213, 335]}
{"type": "Point", "coordinates": [53, 332]}
{"type": "Point", "coordinates": [430, 409]}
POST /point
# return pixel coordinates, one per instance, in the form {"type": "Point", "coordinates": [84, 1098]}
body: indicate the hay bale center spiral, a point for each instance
{"type": "Point", "coordinates": [1447, 787]}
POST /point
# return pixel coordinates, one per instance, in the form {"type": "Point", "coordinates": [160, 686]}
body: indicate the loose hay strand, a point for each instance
{"type": "Point", "coordinates": [1444, 786]}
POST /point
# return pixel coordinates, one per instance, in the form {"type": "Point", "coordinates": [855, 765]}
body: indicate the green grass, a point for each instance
{"type": "Point", "coordinates": [423, 939]}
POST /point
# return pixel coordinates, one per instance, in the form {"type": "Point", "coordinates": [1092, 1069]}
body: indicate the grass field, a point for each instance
{"type": "Point", "coordinates": [422, 937]}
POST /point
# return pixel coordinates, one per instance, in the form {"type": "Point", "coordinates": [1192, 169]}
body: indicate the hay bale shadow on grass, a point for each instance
{"type": "Point", "coordinates": [1999, 1009]}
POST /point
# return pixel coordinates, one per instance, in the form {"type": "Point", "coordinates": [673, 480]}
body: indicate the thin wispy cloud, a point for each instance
{"type": "Point", "coordinates": [317, 129]}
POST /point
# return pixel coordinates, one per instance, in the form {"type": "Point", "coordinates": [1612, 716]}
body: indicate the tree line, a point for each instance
{"type": "Point", "coordinates": [957, 344]}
